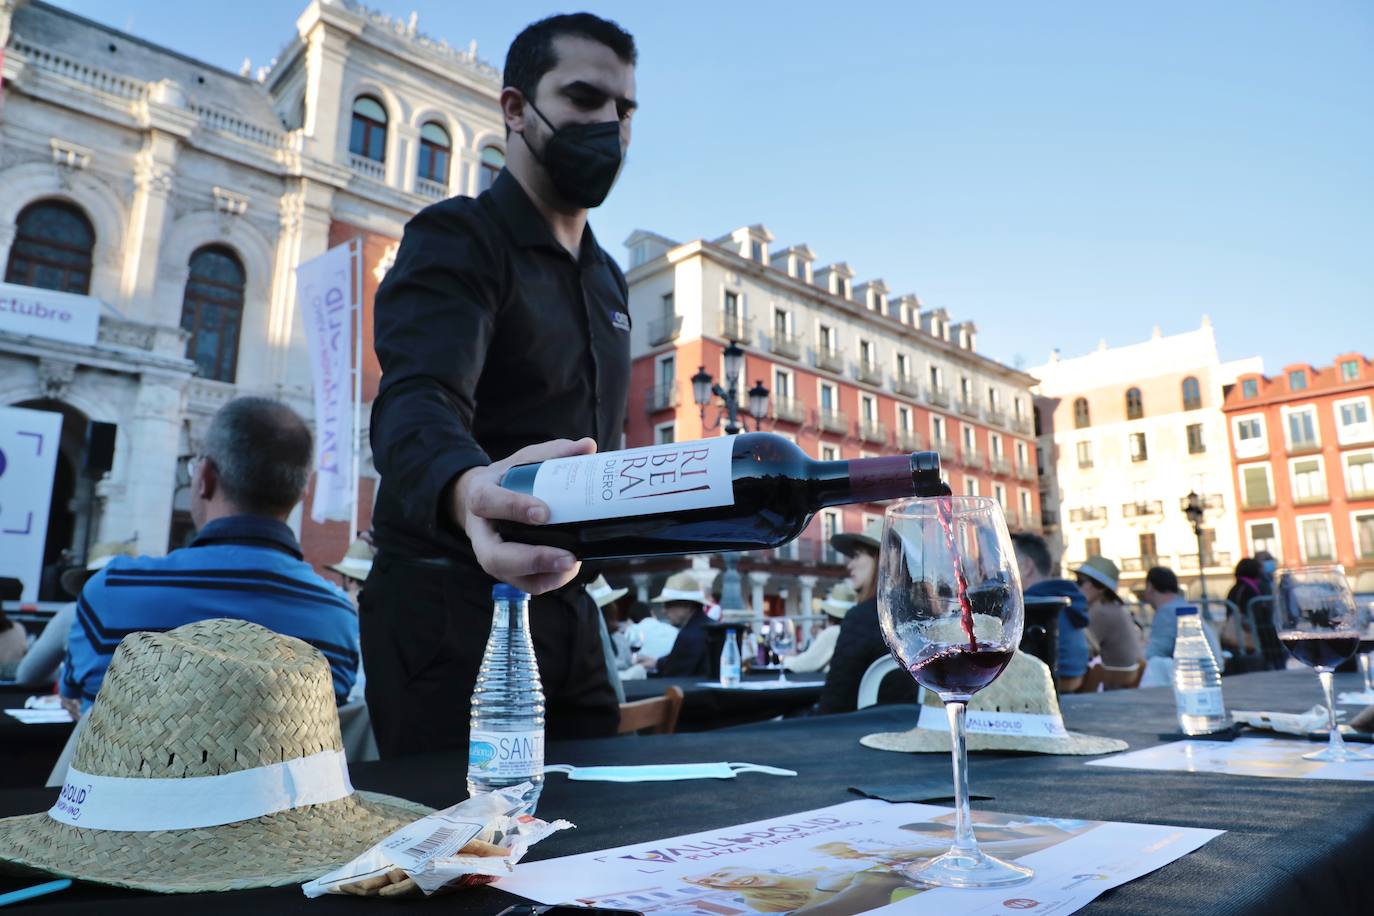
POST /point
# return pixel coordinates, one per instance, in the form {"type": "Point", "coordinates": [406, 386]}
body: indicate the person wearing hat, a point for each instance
{"type": "Point", "coordinates": [860, 641]}
{"type": "Point", "coordinates": [817, 655]}
{"type": "Point", "coordinates": [684, 604]}
{"type": "Point", "coordinates": [606, 597]}
{"type": "Point", "coordinates": [1035, 564]}
{"type": "Point", "coordinates": [355, 566]}
{"type": "Point", "coordinates": [1110, 625]}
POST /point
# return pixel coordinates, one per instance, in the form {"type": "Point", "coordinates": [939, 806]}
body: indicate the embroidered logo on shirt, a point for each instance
{"type": "Point", "coordinates": [620, 321]}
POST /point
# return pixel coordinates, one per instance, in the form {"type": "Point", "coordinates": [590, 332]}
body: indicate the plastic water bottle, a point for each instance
{"type": "Point", "coordinates": [1197, 678]}
{"type": "Point", "coordinates": [730, 661]}
{"type": "Point", "coordinates": [506, 740]}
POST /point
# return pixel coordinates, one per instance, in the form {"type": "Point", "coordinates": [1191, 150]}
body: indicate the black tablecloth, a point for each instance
{"type": "Point", "coordinates": [27, 752]}
{"type": "Point", "coordinates": [706, 707]}
{"type": "Point", "coordinates": [1291, 846]}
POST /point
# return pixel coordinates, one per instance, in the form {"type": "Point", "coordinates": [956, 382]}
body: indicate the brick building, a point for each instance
{"type": "Point", "coordinates": [1303, 443]}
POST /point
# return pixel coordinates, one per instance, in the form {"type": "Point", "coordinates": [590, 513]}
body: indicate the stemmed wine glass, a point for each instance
{"type": "Point", "coordinates": [782, 639]}
{"type": "Point", "coordinates": [1319, 624]}
{"type": "Point", "coordinates": [950, 608]}
{"type": "Point", "coordinates": [1366, 648]}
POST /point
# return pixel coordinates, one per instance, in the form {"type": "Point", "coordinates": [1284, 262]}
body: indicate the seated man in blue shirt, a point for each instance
{"type": "Point", "coordinates": [244, 563]}
{"type": "Point", "coordinates": [1035, 563]}
{"type": "Point", "coordinates": [1162, 593]}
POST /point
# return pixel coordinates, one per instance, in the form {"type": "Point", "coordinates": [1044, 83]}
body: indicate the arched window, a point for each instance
{"type": "Point", "coordinates": [368, 136]}
{"type": "Point", "coordinates": [1080, 413]}
{"type": "Point", "coordinates": [212, 310]}
{"type": "Point", "coordinates": [52, 248]}
{"type": "Point", "coordinates": [1192, 394]}
{"type": "Point", "coordinates": [493, 161]}
{"type": "Point", "coordinates": [435, 150]}
{"type": "Point", "coordinates": [1135, 408]}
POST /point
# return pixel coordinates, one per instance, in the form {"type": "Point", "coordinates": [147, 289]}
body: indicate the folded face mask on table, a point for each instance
{"type": "Point", "coordinates": [663, 772]}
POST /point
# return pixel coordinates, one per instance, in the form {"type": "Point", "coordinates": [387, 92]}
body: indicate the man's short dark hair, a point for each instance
{"type": "Point", "coordinates": [1033, 547]}
{"type": "Point", "coordinates": [263, 451]}
{"type": "Point", "coordinates": [531, 55]}
{"type": "Point", "coordinates": [1162, 579]}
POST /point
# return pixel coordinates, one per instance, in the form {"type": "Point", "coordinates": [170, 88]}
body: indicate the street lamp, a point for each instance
{"type": "Point", "coordinates": [1193, 508]}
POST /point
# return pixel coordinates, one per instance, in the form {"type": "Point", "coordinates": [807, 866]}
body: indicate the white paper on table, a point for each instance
{"type": "Point", "coordinates": [784, 863]}
{"type": "Point", "coordinates": [1279, 758]}
{"type": "Point", "coordinates": [1363, 698]}
{"type": "Point", "coordinates": [40, 716]}
{"type": "Point", "coordinates": [1290, 723]}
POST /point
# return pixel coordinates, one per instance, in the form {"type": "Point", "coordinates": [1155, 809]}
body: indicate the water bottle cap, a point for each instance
{"type": "Point", "coordinates": [1186, 610]}
{"type": "Point", "coordinates": [503, 592]}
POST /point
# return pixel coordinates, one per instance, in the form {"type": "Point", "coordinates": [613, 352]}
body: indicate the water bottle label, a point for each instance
{"type": "Point", "coordinates": [637, 481]}
{"type": "Point", "coordinates": [729, 675]}
{"type": "Point", "coordinates": [506, 755]}
{"type": "Point", "coordinates": [1205, 702]}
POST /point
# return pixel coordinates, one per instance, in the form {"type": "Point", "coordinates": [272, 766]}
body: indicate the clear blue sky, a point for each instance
{"type": "Point", "coordinates": [1059, 173]}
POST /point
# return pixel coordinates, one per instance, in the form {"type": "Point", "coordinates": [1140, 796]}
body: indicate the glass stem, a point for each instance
{"type": "Point", "coordinates": [963, 821]}
{"type": "Point", "coordinates": [1335, 742]}
{"type": "Point", "coordinates": [1365, 670]}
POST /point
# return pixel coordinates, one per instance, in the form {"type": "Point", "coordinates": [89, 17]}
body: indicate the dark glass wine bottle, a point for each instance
{"type": "Point", "coordinates": [745, 492]}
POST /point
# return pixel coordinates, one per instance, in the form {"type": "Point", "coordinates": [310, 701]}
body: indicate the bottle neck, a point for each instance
{"type": "Point", "coordinates": [877, 479]}
{"type": "Point", "coordinates": [510, 615]}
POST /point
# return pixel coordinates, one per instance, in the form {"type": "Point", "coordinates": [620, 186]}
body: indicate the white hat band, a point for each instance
{"type": "Point", "coordinates": [976, 721]}
{"type": "Point", "coordinates": [674, 594]}
{"type": "Point", "coordinates": [142, 804]}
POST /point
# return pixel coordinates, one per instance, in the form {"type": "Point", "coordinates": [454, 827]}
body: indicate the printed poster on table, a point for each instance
{"type": "Point", "coordinates": [845, 859]}
{"type": "Point", "coordinates": [1279, 758]}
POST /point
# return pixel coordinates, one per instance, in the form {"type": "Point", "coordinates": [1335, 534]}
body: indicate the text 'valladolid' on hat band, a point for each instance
{"type": "Point", "coordinates": [140, 804]}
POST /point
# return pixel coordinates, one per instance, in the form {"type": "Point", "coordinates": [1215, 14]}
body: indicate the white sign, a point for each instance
{"type": "Point", "coordinates": [325, 290]}
{"type": "Point", "coordinates": [28, 457]}
{"type": "Point", "coordinates": [36, 312]}
{"type": "Point", "coordinates": [848, 859]}
{"type": "Point", "coordinates": [1274, 758]}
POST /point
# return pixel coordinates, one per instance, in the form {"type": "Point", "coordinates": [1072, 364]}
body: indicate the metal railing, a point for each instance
{"type": "Point", "coordinates": [1049, 518]}
{"type": "Point", "coordinates": [832, 421]}
{"type": "Point", "coordinates": [1021, 425]}
{"type": "Point", "coordinates": [738, 328]}
{"type": "Point", "coordinates": [868, 374]}
{"type": "Point", "coordinates": [1139, 564]}
{"type": "Point", "coordinates": [830, 360]}
{"type": "Point", "coordinates": [789, 410]}
{"type": "Point", "coordinates": [971, 458]}
{"type": "Point", "coordinates": [1141, 508]}
{"type": "Point", "coordinates": [873, 431]}
{"type": "Point", "coordinates": [996, 416]}
{"type": "Point", "coordinates": [1025, 472]}
{"type": "Point", "coordinates": [660, 397]}
{"type": "Point", "coordinates": [949, 452]}
{"type": "Point", "coordinates": [1000, 466]}
{"type": "Point", "coordinates": [906, 386]}
{"type": "Point", "coordinates": [937, 396]}
{"type": "Point", "coordinates": [970, 408]}
{"type": "Point", "coordinates": [1088, 514]}
{"type": "Point", "coordinates": [664, 329]}
{"type": "Point", "coordinates": [785, 345]}
{"type": "Point", "coordinates": [1216, 559]}
{"type": "Point", "coordinates": [909, 440]}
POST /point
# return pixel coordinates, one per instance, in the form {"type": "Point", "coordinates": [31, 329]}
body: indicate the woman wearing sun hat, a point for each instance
{"type": "Point", "coordinates": [1109, 623]}
{"type": "Point", "coordinates": [817, 655]}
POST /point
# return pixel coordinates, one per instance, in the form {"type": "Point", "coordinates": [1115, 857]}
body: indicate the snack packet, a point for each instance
{"type": "Point", "coordinates": [469, 844]}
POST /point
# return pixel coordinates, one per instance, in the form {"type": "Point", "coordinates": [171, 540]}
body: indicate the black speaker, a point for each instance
{"type": "Point", "coordinates": [100, 443]}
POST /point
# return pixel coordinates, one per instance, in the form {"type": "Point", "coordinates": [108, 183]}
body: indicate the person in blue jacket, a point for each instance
{"type": "Point", "coordinates": [1036, 566]}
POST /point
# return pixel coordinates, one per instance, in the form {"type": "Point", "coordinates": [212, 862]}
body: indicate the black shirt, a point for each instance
{"type": "Point", "coordinates": [491, 337]}
{"type": "Point", "coordinates": [859, 645]}
{"type": "Point", "coordinates": [689, 656]}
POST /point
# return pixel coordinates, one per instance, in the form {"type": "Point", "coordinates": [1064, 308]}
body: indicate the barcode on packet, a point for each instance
{"type": "Point", "coordinates": [431, 837]}
{"type": "Point", "coordinates": [430, 847]}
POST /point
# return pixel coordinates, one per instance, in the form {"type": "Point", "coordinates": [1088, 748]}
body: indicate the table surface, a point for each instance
{"type": "Point", "coordinates": [707, 708]}
{"type": "Point", "coordinates": [27, 752]}
{"type": "Point", "coordinates": [1290, 845]}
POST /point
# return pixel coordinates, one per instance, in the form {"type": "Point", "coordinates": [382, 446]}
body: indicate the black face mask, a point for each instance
{"type": "Point", "coordinates": [582, 160]}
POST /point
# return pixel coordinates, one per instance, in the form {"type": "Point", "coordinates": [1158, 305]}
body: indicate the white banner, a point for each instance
{"type": "Point", "coordinates": [326, 292]}
{"type": "Point", "coordinates": [36, 312]}
{"type": "Point", "coordinates": [28, 456]}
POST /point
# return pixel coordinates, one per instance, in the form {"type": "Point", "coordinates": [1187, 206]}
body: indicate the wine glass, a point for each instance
{"type": "Point", "coordinates": [782, 639]}
{"type": "Point", "coordinates": [1319, 624]}
{"type": "Point", "coordinates": [950, 608]}
{"type": "Point", "coordinates": [1366, 649]}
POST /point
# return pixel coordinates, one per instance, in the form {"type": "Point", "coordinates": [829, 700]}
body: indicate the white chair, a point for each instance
{"type": "Point", "coordinates": [873, 679]}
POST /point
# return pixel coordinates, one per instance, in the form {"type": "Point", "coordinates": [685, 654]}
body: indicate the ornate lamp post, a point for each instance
{"type": "Point", "coordinates": [1193, 508]}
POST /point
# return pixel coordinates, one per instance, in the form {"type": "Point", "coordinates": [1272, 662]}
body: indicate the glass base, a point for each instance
{"type": "Point", "coordinates": [1343, 754]}
{"type": "Point", "coordinates": [968, 868]}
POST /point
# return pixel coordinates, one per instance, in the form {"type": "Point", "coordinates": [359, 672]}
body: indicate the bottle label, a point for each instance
{"type": "Point", "coordinates": [729, 675]}
{"type": "Point", "coordinates": [1204, 702]}
{"type": "Point", "coordinates": [506, 755]}
{"type": "Point", "coordinates": [637, 481]}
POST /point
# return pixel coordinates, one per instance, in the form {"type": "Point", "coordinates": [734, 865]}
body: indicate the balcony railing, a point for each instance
{"type": "Point", "coordinates": [868, 374]}
{"type": "Point", "coordinates": [1216, 559]}
{"type": "Point", "coordinates": [1048, 518]}
{"type": "Point", "coordinates": [949, 452]}
{"type": "Point", "coordinates": [368, 168]}
{"type": "Point", "coordinates": [1088, 514]}
{"type": "Point", "coordinates": [789, 410]}
{"type": "Point", "coordinates": [1142, 508]}
{"type": "Point", "coordinates": [970, 408]}
{"type": "Point", "coordinates": [1139, 564]}
{"type": "Point", "coordinates": [996, 416]}
{"type": "Point", "coordinates": [785, 345]}
{"type": "Point", "coordinates": [971, 458]}
{"type": "Point", "coordinates": [434, 190]}
{"type": "Point", "coordinates": [910, 441]}
{"type": "Point", "coordinates": [1303, 446]}
{"type": "Point", "coordinates": [873, 431]}
{"type": "Point", "coordinates": [832, 421]}
{"type": "Point", "coordinates": [1021, 425]}
{"type": "Point", "coordinates": [1210, 501]}
{"type": "Point", "coordinates": [736, 327]}
{"type": "Point", "coordinates": [665, 329]}
{"type": "Point", "coordinates": [830, 360]}
{"type": "Point", "coordinates": [937, 396]}
{"type": "Point", "coordinates": [660, 397]}
{"type": "Point", "coordinates": [1000, 466]}
{"type": "Point", "coordinates": [906, 386]}
{"type": "Point", "coordinates": [1025, 472]}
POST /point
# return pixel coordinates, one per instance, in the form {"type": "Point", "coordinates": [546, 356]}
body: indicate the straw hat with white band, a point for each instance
{"type": "Point", "coordinates": [1017, 712]}
{"type": "Point", "coordinates": [682, 586]}
{"type": "Point", "coordinates": [603, 594]}
{"type": "Point", "coordinates": [211, 761]}
{"type": "Point", "coordinates": [357, 562]}
{"type": "Point", "coordinates": [841, 598]}
{"type": "Point", "coordinates": [73, 580]}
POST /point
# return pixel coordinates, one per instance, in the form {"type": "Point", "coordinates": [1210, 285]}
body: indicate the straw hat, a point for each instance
{"type": "Point", "coordinates": [682, 586]}
{"type": "Point", "coordinates": [221, 700]}
{"type": "Point", "coordinates": [841, 598]}
{"type": "Point", "coordinates": [1102, 571]}
{"type": "Point", "coordinates": [73, 580]}
{"type": "Point", "coordinates": [603, 594]}
{"type": "Point", "coordinates": [1021, 713]}
{"type": "Point", "coordinates": [357, 562]}
{"type": "Point", "coordinates": [847, 543]}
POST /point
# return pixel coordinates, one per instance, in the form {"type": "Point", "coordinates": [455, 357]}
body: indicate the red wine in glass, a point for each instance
{"type": "Point", "coordinates": [1321, 649]}
{"type": "Point", "coordinates": [945, 513]}
{"type": "Point", "coordinates": [961, 670]}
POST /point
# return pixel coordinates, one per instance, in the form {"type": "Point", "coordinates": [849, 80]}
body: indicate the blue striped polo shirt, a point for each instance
{"type": "Point", "coordinates": [243, 566]}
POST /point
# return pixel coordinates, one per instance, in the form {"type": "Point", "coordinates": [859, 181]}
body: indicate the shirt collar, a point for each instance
{"type": "Point", "coordinates": [527, 224]}
{"type": "Point", "coordinates": [249, 530]}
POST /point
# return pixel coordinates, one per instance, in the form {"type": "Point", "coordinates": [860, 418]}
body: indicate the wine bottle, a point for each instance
{"type": "Point", "coordinates": [744, 492]}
